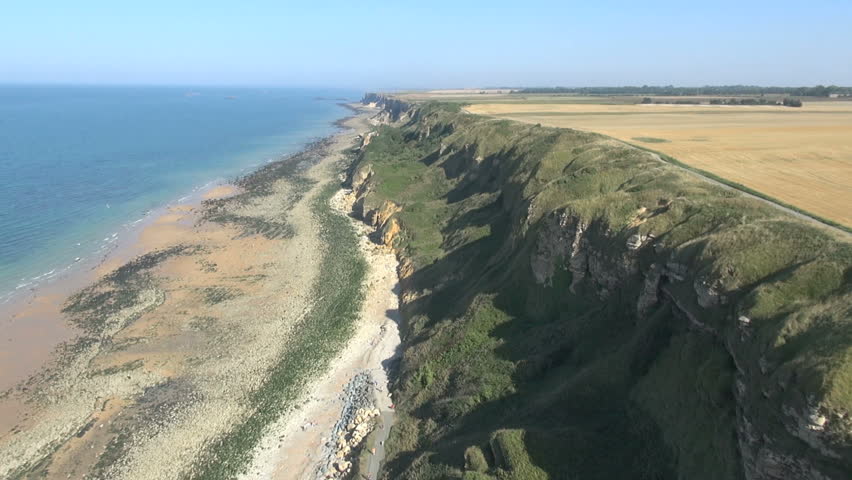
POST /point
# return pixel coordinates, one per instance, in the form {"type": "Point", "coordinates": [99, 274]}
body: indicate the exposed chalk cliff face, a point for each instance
{"type": "Point", "coordinates": [392, 110]}
{"type": "Point", "coordinates": [599, 242]}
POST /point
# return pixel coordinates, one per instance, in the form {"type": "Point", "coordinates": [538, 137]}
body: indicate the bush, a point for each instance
{"type": "Point", "coordinates": [475, 460]}
{"type": "Point", "coordinates": [792, 102]}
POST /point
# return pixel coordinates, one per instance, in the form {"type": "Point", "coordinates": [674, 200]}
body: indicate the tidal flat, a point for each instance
{"type": "Point", "coordinates": [187, 353]}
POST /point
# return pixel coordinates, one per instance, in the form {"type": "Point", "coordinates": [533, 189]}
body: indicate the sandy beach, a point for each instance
{"type": "Point", "coordinates": [166, 351]}
{"type": "Point", "coordinates": [34, 326]}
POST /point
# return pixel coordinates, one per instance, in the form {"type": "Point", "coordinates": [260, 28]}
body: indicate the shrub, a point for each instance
{"type": "Point", "coordinates": [475, 460]}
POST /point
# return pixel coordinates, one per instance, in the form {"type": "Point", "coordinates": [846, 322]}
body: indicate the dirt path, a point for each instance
{"type": "Point", "coordinates": [376, 459]}
{"type": "Point", "coordinates": [801, 216]}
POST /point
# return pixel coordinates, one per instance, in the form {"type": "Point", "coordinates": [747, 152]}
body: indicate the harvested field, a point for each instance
{"type": "Point", "coordinates": [800, 156]}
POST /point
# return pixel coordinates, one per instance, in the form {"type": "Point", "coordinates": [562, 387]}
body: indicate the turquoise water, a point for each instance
{"type": "Point", "coordinates": [78, 165]}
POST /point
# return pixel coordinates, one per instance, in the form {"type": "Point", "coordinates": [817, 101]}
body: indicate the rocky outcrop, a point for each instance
{"type": "Point", "coordinates": [650, 295]}
{"type": "Point", "coordinates": [366, 139]}
{"type": "Point", "coordinates": [359, 177]}
{"type": "Point", "coordinates": [390, 109]}
{"type": "Point", "coordinates": [349, 440]}
{"type": "Point", "coordinates": [358, 418]}
{"type": "Point", "coordinates": [707, 293]}
{"type": "Point", "coordinates": [563, 243]}
{"type": "Point", "coordinates": [380, 216]}
{"type": "Point", "coordinates": [558, 242]}
{"type": "Point", "coordinates": [637, 241]}
{"type": "Point", "coordinates": [389, 231]}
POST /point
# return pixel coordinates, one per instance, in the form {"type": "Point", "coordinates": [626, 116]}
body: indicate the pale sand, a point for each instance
{"type": "Point", "coordinates": [211, 354]}
{"type": "Point", "coordinates": [221, 191]}
{"type": "Point", "coordinates": [292, 450]}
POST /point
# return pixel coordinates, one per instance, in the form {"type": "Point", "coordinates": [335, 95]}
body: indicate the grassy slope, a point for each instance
{"type": "Point", "coordinates": [553, 384]}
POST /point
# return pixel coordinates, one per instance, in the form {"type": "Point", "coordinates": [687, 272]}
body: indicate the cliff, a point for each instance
{"type": "Point", "coordinates": [575, 307]}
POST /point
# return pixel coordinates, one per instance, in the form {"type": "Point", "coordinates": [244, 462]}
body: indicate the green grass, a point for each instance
{"type": "Point", "coordinates": [708, 402]}
{"type": "Point", "coordinates": [474, 460]}
{"type": "Point", "coordinates": [749, 190]}
{"type": "Point", "coordinates": [514, 462]}
{"type": "Point", "coordinates": [579, 385]}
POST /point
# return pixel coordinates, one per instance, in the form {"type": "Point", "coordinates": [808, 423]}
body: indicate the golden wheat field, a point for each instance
{"type": "Point", "coordinates": [801, 156]}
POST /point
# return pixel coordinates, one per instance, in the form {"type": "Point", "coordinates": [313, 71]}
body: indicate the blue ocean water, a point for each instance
{"type": "Point", "coordinates": [78, 163]}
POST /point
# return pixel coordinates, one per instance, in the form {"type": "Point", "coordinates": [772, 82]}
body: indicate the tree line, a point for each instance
{"type": "Point", "coordinates": [817, 91]}
{"type": "Point", "coordinates": [787, 101]}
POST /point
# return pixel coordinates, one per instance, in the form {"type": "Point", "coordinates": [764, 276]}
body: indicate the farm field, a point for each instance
{"type": "Point", "coordinates": [800, 156]}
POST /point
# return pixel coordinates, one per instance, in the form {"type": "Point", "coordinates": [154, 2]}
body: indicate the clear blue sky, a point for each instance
{"type": "Point", "coordinates": [431, 43]}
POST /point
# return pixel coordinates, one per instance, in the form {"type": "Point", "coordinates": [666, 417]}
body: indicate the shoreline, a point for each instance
{"type": "Point", "coordinates": [38, 310]}
{"type": "Point", "coordinates": [196, 286]}
{"type": "Point", "coordinates": [32, 322]}
{"type": "Point", "coordinates": [121, 234]}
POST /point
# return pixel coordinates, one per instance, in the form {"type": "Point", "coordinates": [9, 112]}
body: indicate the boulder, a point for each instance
{"type": "Point", "coordinates": [636, 241]}
{"type": "Point", "coordinates": [707, 294]}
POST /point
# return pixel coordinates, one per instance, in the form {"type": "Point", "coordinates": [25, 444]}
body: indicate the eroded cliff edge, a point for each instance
{"type": "Point", "coordinates": [573, 307]}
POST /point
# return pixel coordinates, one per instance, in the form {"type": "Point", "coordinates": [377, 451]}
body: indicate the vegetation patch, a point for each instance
{"type": "Point", "coordinates": [261, 183]}
{"type": "Point", "coordinates": [751, 191]}
{"type": "Point", "coordinates": [124, 367]}
{"type": "Point", "coordinates": [215, 295]}
{"type": "Point", "coordinates": [650, 140]}
{"type": "Point", "coordinates": [786, 164]}
{"type": "Point", "coordinates": [92, 307]}
{"type": "Point", "coordinates": [252, 225]}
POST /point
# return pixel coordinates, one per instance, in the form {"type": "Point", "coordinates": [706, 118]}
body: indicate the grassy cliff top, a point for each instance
{"type": "Point", "coordinates": [750, 323]}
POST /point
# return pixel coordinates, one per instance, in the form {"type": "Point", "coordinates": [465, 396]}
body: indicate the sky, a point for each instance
{"type": "Point", "coordinates": [426, 44]}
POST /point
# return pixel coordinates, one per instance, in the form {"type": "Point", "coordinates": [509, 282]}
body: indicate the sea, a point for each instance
{"type": "Point", "coordinates": [81, 165]}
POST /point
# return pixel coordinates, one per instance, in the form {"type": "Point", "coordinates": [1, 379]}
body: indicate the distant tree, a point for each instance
{"type": "Point", "coordinates": [670, 90]}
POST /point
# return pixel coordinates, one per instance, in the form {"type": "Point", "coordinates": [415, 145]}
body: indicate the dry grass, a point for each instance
{"type": "Point", "coordinates": [801, 156]}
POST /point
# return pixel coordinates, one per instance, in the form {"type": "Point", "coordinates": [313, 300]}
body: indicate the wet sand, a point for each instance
{"type": "Point", "coordinates": [33, 326]}
{"type": "Point", "coordinates": [159, 344]}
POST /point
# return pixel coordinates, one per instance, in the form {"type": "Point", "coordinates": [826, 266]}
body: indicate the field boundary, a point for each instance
{"type": "Point", "coordinates": [708, 176]}
{"type": "Point", "coordinates": [800, 212]}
